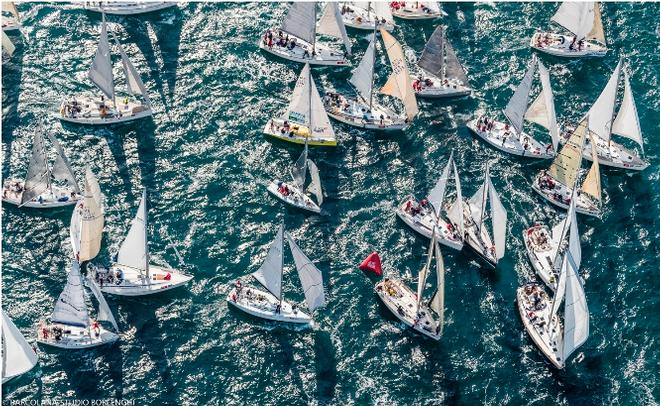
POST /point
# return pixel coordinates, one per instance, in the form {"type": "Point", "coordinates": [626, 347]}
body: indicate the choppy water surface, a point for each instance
{"type": "Point", "coordinates": [204, 162]}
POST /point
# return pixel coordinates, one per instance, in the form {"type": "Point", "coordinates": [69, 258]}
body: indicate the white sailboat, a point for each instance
{"type": "Point", "coordinates": [472, 222]}
{"type": "Point", "coordinates": [367, 15]}
{"type": "Point", "coordinates": [86, 231]}
{"type": "Point", "coordinates": [10, 23]}
{"type": "Point", "coordinates": [604, 126]}
{"type": "Point", "coordinates": [270, 304]}
{"type": "Point", "coordinates": [132, 274]}
{"type": "Point", "coordinates": [557, 183]}
{"type": "Point", "coordinates": [509, 137]}
{"type": "Point", "coordinates": [363, 111]}
{"type": "Point", "coordinates": [70, 326]}
{"type": "Point", "coordinates": [416, 10]}
{"type": "Point", "coordinates": [127, 7]}
{"type": "Point", "coordinates": [38, 190]}
{"type": "Point", "coordinates": [584, 21]}
{"type": "Point", "coordinates": [426, 216]}
{"type": "Point", "coordinates": [442, 75]}
{"type": "Point", "coordinates": [409, 307]}
{"type": "Point", "coordinates": [296, 41]}
{"type": "Point", "coordinates": [305, 120]}
{"type": "Point", "coordinates": [108, 108]}
{"type": "Point", "coordinates": [546, 248]}
{"type": "Point", "coordinates": [18, 357]}
{"type": "Point", "coordinates": [294, 193]}
{"type": "Point", "coordinates": [557, 340]}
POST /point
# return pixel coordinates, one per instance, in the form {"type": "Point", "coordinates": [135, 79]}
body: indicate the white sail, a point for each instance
{"type": "Point", "coordinates": [300, 109]}
{"type": "Point", "coordinates": [87, 222]}
{"type": "Point", "coordinates": [382, 11]}
{"type": "Point", "coordinates": [565, 166]}
{"type": "Point", "coordinates": [560, 230]}
{"type": "Point", "coordinates": [100, 73]}
{"type": "Point", "coordinates": [577, 17]}
{"type": "Point", "coordinates": [62, 168]}
{"type": "Point", "coordinates": [499, 219]}
{"type": "Point", "coordinates": [134, 251]}
{"type": "Point", "coordinates": [301, 21]}
{"type": "Point", "coordinates": [320, 123]}
{"type": "Point", "coordinates": [299, 169]}
{"type": "Point", "coordinates": [601, 112]}
{"type": "Point", "coordinates": [70, 307]}
{"type": "Point", "coordinates": [105, 314]}
{"type": "Point", "coordinates": [37, 180]}
{"type": "Point", "coordinates": [362, 77]}
{"type": "Point", "coordinates": [559, 292]}
{"type": "Point", "coordinates": [626, 123]}
{"type": "Point", "coordinates": [310, 276]}
{"type": "Point", "coordinates": [133, 81]}
{"type": "Point", "coordinates": [315, 185]}
{"type": "Point", "coordinates": [269, 273]}
{"type": "Point", "coordinates": [458, 215]}
{"type": "Point", "coordinates": [591, 184]}
{"type": "Point", "coordinates": [92, 185]}
{"type": "Point", "coordinates": [18, 357]}
{"type": "Point", "coordinates": [478, 202]}
{"type": "Point", "coordinates": [542, 109]}
{"type": "Point", "coordinates": [437, 194]}
{"type": "Point", "coordinates": [399, 84]}
{"type": "Point", "coordinates": [7, 45]}
{"type": "Point", "coordinates": [597, 32]}
{"type": "Point", "coordinates": [437, 303]}
{"type": "Point", "coordinates": [424, 272]}
{"type": "Point", "coordinates": [576, 311]}
{"type": "Point", "coordinates": [574, 239]}
{"type": "Point", "coordinates": [515, 110]}
{"type": "Point", "coordinates": [332, 24]}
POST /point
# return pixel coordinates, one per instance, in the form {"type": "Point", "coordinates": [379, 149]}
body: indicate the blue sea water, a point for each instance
{"type": "Point", "coordinates": [205, 163]}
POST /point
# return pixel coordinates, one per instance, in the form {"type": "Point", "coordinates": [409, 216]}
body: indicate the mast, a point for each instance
{"type": "Point", "coordinates": [279, 306]}
{"type": "Point", "coordinates": [483, 199]}
{"type": "Point", "coordinates": [314, 36]}
{"type": "Point", "coordinates": [146, 238]}
{"type": "Point", "coordinates": [373, 67]}
{"type": "Point", "coordinates": [442, 56]}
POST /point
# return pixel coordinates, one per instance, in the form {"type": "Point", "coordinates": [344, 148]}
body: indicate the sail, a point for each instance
{"type": "Point", "coordinates": [458, 215]}
{"type": "Point", "coordinates": [382, 11]}
{"type": "Point", "coordinates": [310, 276]}
{"type": "Point", "coordinates": [10, 7]}
{"type": "Point", "coordinates": [597, 32]}
{"type": "Point", "coordinates": [399, 84]}
{"type": "Point", "coordinates": [332, 24]}
{"type": "Point", "coordinates": [37, 180]}
{"type": "Point", "coordinates": [453, 67]}
{"type": "Point", "coordinates": [601, 112]}
{"type": "Point", "coordinates": [577, 17]}
{"type": "Point", "coordinates": [362, 77]}
{"type": "Point", "coordinates": [87, 223]}
{"type": "Point", "coordinates": [574, 239]}
{"type": "Point", "coordinates": [576, 312]}
{"type": "Point", "coordinates": [315, 186]}
{"type": "Point", "coordinates": [515, 110]}
{"type": "Point", "coordinates": [566, 164]}
{"type": "Point", "coordinates": [499, 218]}
{"type": "Point", "coordinates": [437, 303]}
{"type": "Point", "coordinates": [62, 168]}
{"type": "Point", "coordinates": [559, 292]}
{"type": "Point", "coordinates": [134, 251]}
{"type": "Point", "coordinates": [70, 307]}
{"type": "Point", "coordinates": [269, 273]}
{"type": "Point", "coordinates": [92, 185]}
{"type": "Point", "coordinates": [424, 272]}
{"type": "Point", "coordinates": [299, 109]}
{"type": "Point", "coordinates": [542, 109]}
{"type": "Point", "coordinates": [320, 123]}
{"type": "Point", "coordinates": [301, 21]}
{"type": "Point", "coordinates": [433, 58]}
{"type": "Point", "coordinates": [478, 202]}
{"type": "Point", "coordinates": [7, 45]}
{"type": "Point", "coordinates": [626, 123]}
{"type": "Point", "coordinates": [133, 80]}
{"type": "Point", "coordinates": [299, 169]}
{"type": "Point", "coordinates": [105, 314]}
{"type": "Point", "coordinates": [437, 194]}
{"type": "Point", "coordinates": [591, 184]}
{"type": "Point", "coordinates": [100, 73]}
{"type": "Point", "coordinates": [17, 355]}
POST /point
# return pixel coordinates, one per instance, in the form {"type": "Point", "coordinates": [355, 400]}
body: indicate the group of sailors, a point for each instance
{"type": "Point", "coordinates": [283, 189]}
{"type": "Point", "coordinates": [345, 9]}
{"type": "Point", "coordinates": [414, 209]}
{"type": "Point", "coordinates": [283, 41]}
{"type": "Point", "coordinates": [397, 5]}
{"type": "Point", "coordinates": [548, 38]}
{"type": "Point", "coordinates": [548, 184]}
{"type": "Point", "coordinates": [539, 237]}
{"type": "Point", "coordinates": [108, 276]}
{"type": "Point", "coordinates": [535, 303]}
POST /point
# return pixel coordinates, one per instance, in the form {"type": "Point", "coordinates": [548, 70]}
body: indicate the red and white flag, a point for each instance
{"type": "Point", "coordinates": [372, 264]}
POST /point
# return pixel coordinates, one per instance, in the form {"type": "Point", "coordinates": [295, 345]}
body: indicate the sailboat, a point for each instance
{"type": "Point", "coordinates": [442, 75]}
{"type": "Point", "coordinates": [305, 120]}
{"type": "Point", "coordinates": [409, 307]}
{"type": "Point", "coordinates": [583, 20]}
{"type": "Point", "coordinates": [546, 248]}
{"type": "Point", "coordinates": [70, 326]}
{"type": "Point", "coordinates": [108, 109]}
{"type": "Point", "coordinates": [10, 23]}
{"type": "Point", "coordinates": [510, 137]}
{"type": "Point", "coordinates": [8, 48]}
{"type": "Point", "coordinates": [38, 190]}
{"type": "Point", "coordinates": [270, 304]}
{"type": "Point", "coordinates": [294, 193]}
{"type": "Point", "coordinates": [18, 357]}
{"type": "Point", "coordinates": [86, 231]}
{"type": "Point", "coordinates": [416, 10]}
{"type": "Point", "coordinates": [363, 111]}
{"type": "Point", "coordinates": [127, 7]}
{"type": "Point", "coordinates": [557, 340]}
{"type": "Point", "coordinates": [472, 222]}
{"type": "Point", "coordinates": [367, 15]}
{"type": "Point", "coordinates": [626, 124]}
{"type": "Point", "coordinates": [295, 39]}
{"type": "Point", "coordinates": [425, 217]}
{"type": "Point", "coordinates": [557, 183]}
{"type": "Point", "coordinates": [132, 274]}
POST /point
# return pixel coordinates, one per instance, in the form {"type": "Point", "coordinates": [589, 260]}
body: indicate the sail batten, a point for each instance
{"type": "Point", "coordinates": [70, 307]}
{"type": "Point", "coordinates": [399, 84]}
{"type": "Point", "coordinates": [310, 276]}
{"type": "Point", "coordinates": [100, 73]}
{"type": "Point", "coordinates": [269, 273]}
{"type": "Point", "coordinates": [516, 107]}
{"type": "Point", "coordinates": [300, 21]}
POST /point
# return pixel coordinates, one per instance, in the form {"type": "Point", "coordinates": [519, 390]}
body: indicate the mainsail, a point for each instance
{"type": "Point", "coordinates": [306, 107]}
{"type": "Point", "coordinates": [601, 112]}
{"type": "Point", "coordinates": [269, 273]}
{"type": "Point", "coordinates": [310, 276]}
{"type": "Point", "coordinates": [133, 81]}
{"type": "Point", "coordinates": [626, 123]}
{"type": "Point", "coordinates": [105, 314]}
{"type": "Point", "coordinates": [515, 110]}
{"type": "Point", "coordinates": [437, 194]}
{"type": "Point", "coordinates": [542, 109]}
{"type": "Point", "coordinates": [438, 300]}
{"type": "Point", "coordinates": [134, 251]}
{"type": "Point", "coordinates": [332, 24]}
{"type": "Point", "coordinates": [362, 77]}
{"type": "Point", "coordinates": [87, 221]}
{"type": "Point", "coordinates": [499, 219]}
{"type": "Point", "coordinates": [301, 21]}
{"type": "Point", "coordinates": [566, 164]}
{"type": "Point", "coordinates": [433, 58]}
{"type": "Point", "coordinates": [423, 273]}
{"type": "Point", "coordinates": [70, 307]}
{"type": "Point", "coordinates": [399, 84]}
{"type": "Point", "coordinates": [576, 312]}
{"type": "Point", "coordinates": [577, 17]}
{"type": "Point", "coordinates": [17, 355]}
{"type": "Point", "coordinates": [62, 168]}
{"type": "Point", "coordinates": [100, 73]}
{"type": "Point", "coordinates": [37, 180]}
{"type": "Point", "coordinates": [299, 169]}
{"type": "Point", "coordinates": [315, 184]}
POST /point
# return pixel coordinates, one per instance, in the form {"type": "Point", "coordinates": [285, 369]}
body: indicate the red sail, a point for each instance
{"type": "Point", "coordinates": [372, 264]}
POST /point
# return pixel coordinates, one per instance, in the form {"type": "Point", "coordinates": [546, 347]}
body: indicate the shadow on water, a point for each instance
{"type": "Point", "coordinates": [326, 367]}
{"type": "Point", "coordinates": [12, 72]}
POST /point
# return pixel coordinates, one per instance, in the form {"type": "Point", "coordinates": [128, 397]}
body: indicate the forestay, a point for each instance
{"type": "Point", "coordinates": [542, 109]}
{"type": "Point", "coordinates": [301, 21]}
{"type": "Point", "coordinates": [310, 276]}
{"type": "Point", "coordinates": [134, 251]}
{"type": "Point", "coordinates": [133, 81]}
{"type": "Point", "coordinates": [100, 73]}
{"type": "Point", "coordinates": [17, 355]}
{"type": "Point", "coordinates": [362, 77]}
{"type": "Point", "coordinates": [105, 314]}
{"type": "Point", "coordinates": [577, 17]}
{"type": "Point", "coordinates": [399, 84]}
{"type": "Point", "coordinates": [591, 184]}
{"type": "Point", "coordinates": [437, 303]}
{"type": "Point", "coordinates": [515, 110]}
{"type": "Point", "coordinates": [601, 112]}
{"type": "Point", "coordinates": [626, 123]}
{"type": "Point", "coordinates": [37, 180]}
{"type": "Point", "coordinates": [332, 24]}
{"type": "Point", "coordinates": [62, 168]}
{"type": "Point", "coordinates": [70, 307]}
{"type": "Point", "coordinates": [269, 273]}
{"type": "Point", "coordinates": [315, 184]}
{"type": "Point", "coordinates": [566, 164]}
{"type": "Point", "coordinates": [433, 58]}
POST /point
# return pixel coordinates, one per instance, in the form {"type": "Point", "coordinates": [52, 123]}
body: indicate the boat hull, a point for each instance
{"type": "Point", "coordinates": [424, 222]}
{"type": "Point", "coordinates": [58, 197]}
{"type": "Point", "coordinates": [355, 112]}
{"type": "Point", "coordinates": [75, 337]}
{"type": "Point", "coordinates": [507, 140]}
{"type": "Point", "coordinates": [274, 128]}
{"type": "Point", "coordinates": [129, 7]}
{"type": "Point", "coordinates": [360, 19]}
{"type": "Point", "coordinates": [263, 305]}
{"type": "Point", "coordinates": [559, 45]}
{"type": "Point", "coordinates": [91, 112]}
{"type": "Point", "coordinates": [296, 198]}
{"type": "Point", "coordinates": [302, 52]}
{"type": "Point", "coordinates": [560, 195]}
{"type": "Point", "coordinates": [540, 254]}
{"type": "Point", "coordinates": [478, 241]}
{"type": "Point", "coordinates": [122, 280]}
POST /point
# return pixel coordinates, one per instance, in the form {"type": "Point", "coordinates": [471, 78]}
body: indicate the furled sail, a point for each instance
{"type": "Point", "coordinates": [301, 21]}
{"type": "Point", "coordinates": [577, 17]}
{"type": "Point", "coordinates": [299, 169]}
{"type": "Point", "coordinates": [310, 276]}
{"type": "Point", "coordinates": [320, 123]}
{"type": "Point", "coordinates": [601, 112]}
{"type": "Point", "coordinates": [269, 273]}
{"type": "Point", "coordinates": [437, 303]}
{"type": "Point", "coordinates": [17, 355]}
{"type": "Point", "coordinates": [626, 123]}
{"type": "Point", "coordinates": [437, 194]}
{"type": "Point", "coordinates": [7, 45]}
{"type": "Point", "coordinates": [133, 80]}
{"type": "Point", "coordinates": [597, 32]}
{"type": "Point", "coordinates": [332, 24]}
{"type": "Point", "coordinates": [315, 185]}
{"type": "Point", "coordinates": [70, 307]}
{"type": "Point", "coordinates": [499, 219]}
{"type": "Point", "coordinates": [100, 73]}
{"type": "Point", "coordinates": [424, 272]}
{"type": "Point", "coordinates": [134, 251]}
{"type": "Point", "coordinates": [105, 314]}
{"type": "Point", "coordinates": [576, 311]}
{"type": "Point", "coordinates": [591, 184]}
{"type": "Point", "coordinates": [299, 109]}
{"type": "Point", "coordinates": [87, 222]}
{"type": "Point", "coordinates": [433, 58]}
{"type": "Point", "coordinates": [515, 110]}
{"type": "Point", "coordinates": [566, 164]}
{"type": "Point", "coordinates": [453, 67]}
{"type": "Point", "coordinates": [37, 180]}
{"type": "Point", "coordinates": [62, 168]}
{"type": "Point", "coordinates": [399, 84]}
{"type": "Point", "coordinates": [542, 109]}
{"type": "Point", "coordinates": [362, 77]}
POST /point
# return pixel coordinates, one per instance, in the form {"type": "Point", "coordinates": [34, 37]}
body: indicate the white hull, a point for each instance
{"type": "Point", "coordinates": [559, 45]}
{"type": "Point", "coordinates": [295, 197]}
{"type": "Point", "coordinates": [402, 302]}
{"type": "Point", "coordinates": [433, 88]}
{"type": "Point", "coordinates": [74, 337]}
{"type": "Point", "coordinates": [125, 281]}
{"type": "Point", "coordinates": [509, 141]}
{"type": "Point", "coordinates": [264, 305]}
{"type": "Point", "coordinates": [560, 195]}
{"type": "Point", "coordinates": [540, 248]}
{"type": "Point", "coordinates": [296, 134]}
{"type": "Point", "coordinates": [90, 111]}
{"type": "Point", "coordinates": [127, 7]}
{"type": "Point", "coordinates": [10, 24]}
{"type": "Point", "coordinates": [356, 112]}
{"type": "Point", "coordinates": [409, 12]}
{"type": "Point", "coordinates": [302, 52]}
{"type": "Point", "coordinates": [51, 199]}
{"type": "Point", "coordinates": [424, 223]}
{"type": "Point", "coordinates": [360, 19]}
{"type": "Point", "coordinates": [479, 241]}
